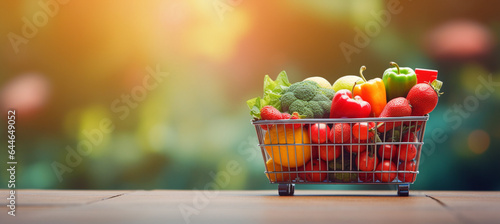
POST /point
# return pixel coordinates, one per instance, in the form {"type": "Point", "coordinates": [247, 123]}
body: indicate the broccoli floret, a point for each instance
{"type": "Point", "coordinates": [326, 105]}
{"type": "Point", "coordinates": [308, 99]}
{"type": "Point", "coordinates": [320, 97]}
{"type": "Point", "coordinates": [316, 109]}
{"type": "Point", "coordinates": [302, 108]}
{"type": "Point", "coordinates": [328, 92]}
{"type": "Point", "coordinates": [286, 100]}
{"type": "Point", "coordinates": [305, 90]}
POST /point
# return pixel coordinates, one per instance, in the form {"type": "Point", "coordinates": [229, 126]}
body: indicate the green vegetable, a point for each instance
{"type": "Point", "coordinates": [336, 165]}
{"type": "Point", "coordinates": [272, 94]}
{"type": "Point", "coordinates": [307, 99]}
{"type": "Point", "coordinates": [398, 81]}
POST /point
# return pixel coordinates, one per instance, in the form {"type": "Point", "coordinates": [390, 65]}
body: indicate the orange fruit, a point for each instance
{"type": "Point", "coordinates": [273, 177]}
{"type": "Point", "coordinates": [289, 155]}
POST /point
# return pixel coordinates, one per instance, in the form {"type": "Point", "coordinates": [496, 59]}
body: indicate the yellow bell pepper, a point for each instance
{"type": "Point", "coordinates": [373, 92]}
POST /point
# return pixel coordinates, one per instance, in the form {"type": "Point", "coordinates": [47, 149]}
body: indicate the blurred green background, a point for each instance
{"type": "Point", "coordinates": [67, 66]}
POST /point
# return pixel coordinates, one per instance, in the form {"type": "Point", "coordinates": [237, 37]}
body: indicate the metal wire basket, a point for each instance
{"type": "Point", "coordinates": [293, 154]}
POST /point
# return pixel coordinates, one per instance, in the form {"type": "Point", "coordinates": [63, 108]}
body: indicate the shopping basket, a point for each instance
{"type": "Point", "coordinates": [396, 143]}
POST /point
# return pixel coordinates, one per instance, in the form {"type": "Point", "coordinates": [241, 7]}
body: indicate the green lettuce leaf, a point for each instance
{"type": "Point", "coordinates": [272, 94]}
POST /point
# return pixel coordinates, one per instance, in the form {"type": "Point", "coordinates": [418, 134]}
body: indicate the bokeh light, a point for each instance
{"type": "Point", "coordinates": [478, 141]}
{"type": "Point", "coordinates": [26, 92]}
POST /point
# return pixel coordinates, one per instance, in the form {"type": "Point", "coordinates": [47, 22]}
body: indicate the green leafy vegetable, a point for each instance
{"type": "Point", "coordinates": [272, 94]}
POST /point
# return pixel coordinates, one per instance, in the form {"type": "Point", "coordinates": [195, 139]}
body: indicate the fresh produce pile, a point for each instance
{"type": "Point", "coordinates": [296, 147]}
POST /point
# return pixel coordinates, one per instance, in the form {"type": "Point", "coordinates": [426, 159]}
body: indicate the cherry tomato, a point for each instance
{"type": "Point", "coordinates": [409, 137]}
{"type": "Point", "coordinates": [366, 177]}
{"type": "Point", "coordinates": [367, 161]}
{"type": "Point", "coordinates": [386, 166]}
{"type": "Point", "coordinates": [319, 132]}
{"type": "Point", "coordinates": [388, 151]}
{"type": "Point", "coordinates": [356, 148]}
{"type": "Point", "coordinates": [294, 174]}
{"type": "Point", "coordinates": [407, 152]}
{"type": "Point", "coordinates": [407, 166]}
{"type": "Point", "coordinates": [315, 152]}
{"type": "Point", "coordinates": [363, 130]}
{"type": "Point", "coordinates": [316, 165]}
{"type": "Point", "coordinates": [332, 151]}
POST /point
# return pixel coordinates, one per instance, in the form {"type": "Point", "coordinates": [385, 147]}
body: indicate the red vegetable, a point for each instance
{"type": "Point", "coordinates": [329, 153]}
{"type": "Point", "coordinates": [366, 177]}
{"type": "Point", "coordinates": [407, 152]}
{"type": "Point", "coordinates": [408, 166]}
{"type": "Point", "coordinates": [363, 130]}
{"type": "Point", "coordinates": [316, 165]}
{"type": "Point", "coordinates": [367, 161]}
{"type": "Point", "coordinates": [356, 148]}
{"type": "Point", "coordinates": [386, 166]}
{"type": "Point", "coordinates": [388, 151]}
{"type": "Point", "coordinates": [319, 132]}
{"type": "Point", "coordinates": [344, 105]}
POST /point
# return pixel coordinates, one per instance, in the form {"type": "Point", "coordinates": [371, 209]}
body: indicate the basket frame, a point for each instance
{"type": "Point", "coordinates": [419, 125]}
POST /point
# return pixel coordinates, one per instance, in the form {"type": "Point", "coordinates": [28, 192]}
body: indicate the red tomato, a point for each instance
{"type": "Point", "coordinates": [407, 166]}
{"type": "Point", "coordinates": [386, 166]}
{"type": "Point", "coordinates": [319, 132]}
{"type": "Point", "coordinates": [367, 161]}
{"type": "Point", "coordinates": [407, 152]}
{"type": "Point", "coordinates": [363, 130]}
{"type": "Point", "coordinates": [356, 148]}
{"type": "Point", "coordinates": [388, 151]}
{"type": "Point", "coordinates": [409, 137]}
{"type": "Point", "coordinates": [332, 151]}
{"type": "Point", "coordinates": [315, 152]}
{"type": "Point", "coordinates": [317, 165]}
{"type": "Point", "coordinates": [366, 177]}
{"type": "Point", "coordinates": [302, 168]}
{"type": "Point", "coordinates": [294, 173]}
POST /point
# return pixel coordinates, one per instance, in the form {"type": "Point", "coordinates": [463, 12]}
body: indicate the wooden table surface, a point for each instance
{"type": "Point", "coordinates": [307, 206]}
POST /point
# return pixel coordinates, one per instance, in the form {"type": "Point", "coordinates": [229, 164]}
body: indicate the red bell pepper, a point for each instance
{"type": "Point", "coordinates": [344, 105]}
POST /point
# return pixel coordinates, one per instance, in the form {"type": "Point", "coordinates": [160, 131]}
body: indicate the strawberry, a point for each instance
{"type": "Point", "coordinates": [423, 98]}
{"type": "Point", "coordinates": [286, 116]}
{"type": "Point", "coordinates": [340, 133]}
{"type": "Point", "coordinates": [397, 107]}
{"type": "Point", "coordinates": [270, 113]}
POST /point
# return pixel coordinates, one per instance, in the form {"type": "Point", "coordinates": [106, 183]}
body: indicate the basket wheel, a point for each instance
{"type": "Point", "coordinates": [403, 189]}
{"type": "Point", "coordinates": [286, 189]}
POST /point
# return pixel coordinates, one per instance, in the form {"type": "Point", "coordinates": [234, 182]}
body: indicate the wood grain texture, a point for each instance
{"type": "Point", "coordinates": [164, 206]}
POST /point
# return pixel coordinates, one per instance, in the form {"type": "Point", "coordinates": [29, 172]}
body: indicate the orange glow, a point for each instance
{"type": "Point", "coordinates": [478, 141]}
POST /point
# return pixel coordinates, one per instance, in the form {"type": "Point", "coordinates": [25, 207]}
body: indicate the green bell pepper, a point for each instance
{"type": "Point", "coordinates": [398, 81]}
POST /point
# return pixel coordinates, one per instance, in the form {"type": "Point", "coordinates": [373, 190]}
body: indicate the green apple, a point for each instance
{"type": "Point", "coordinates": [346, 82]}
{"type": "Point", "coordinates": [322, 82]}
